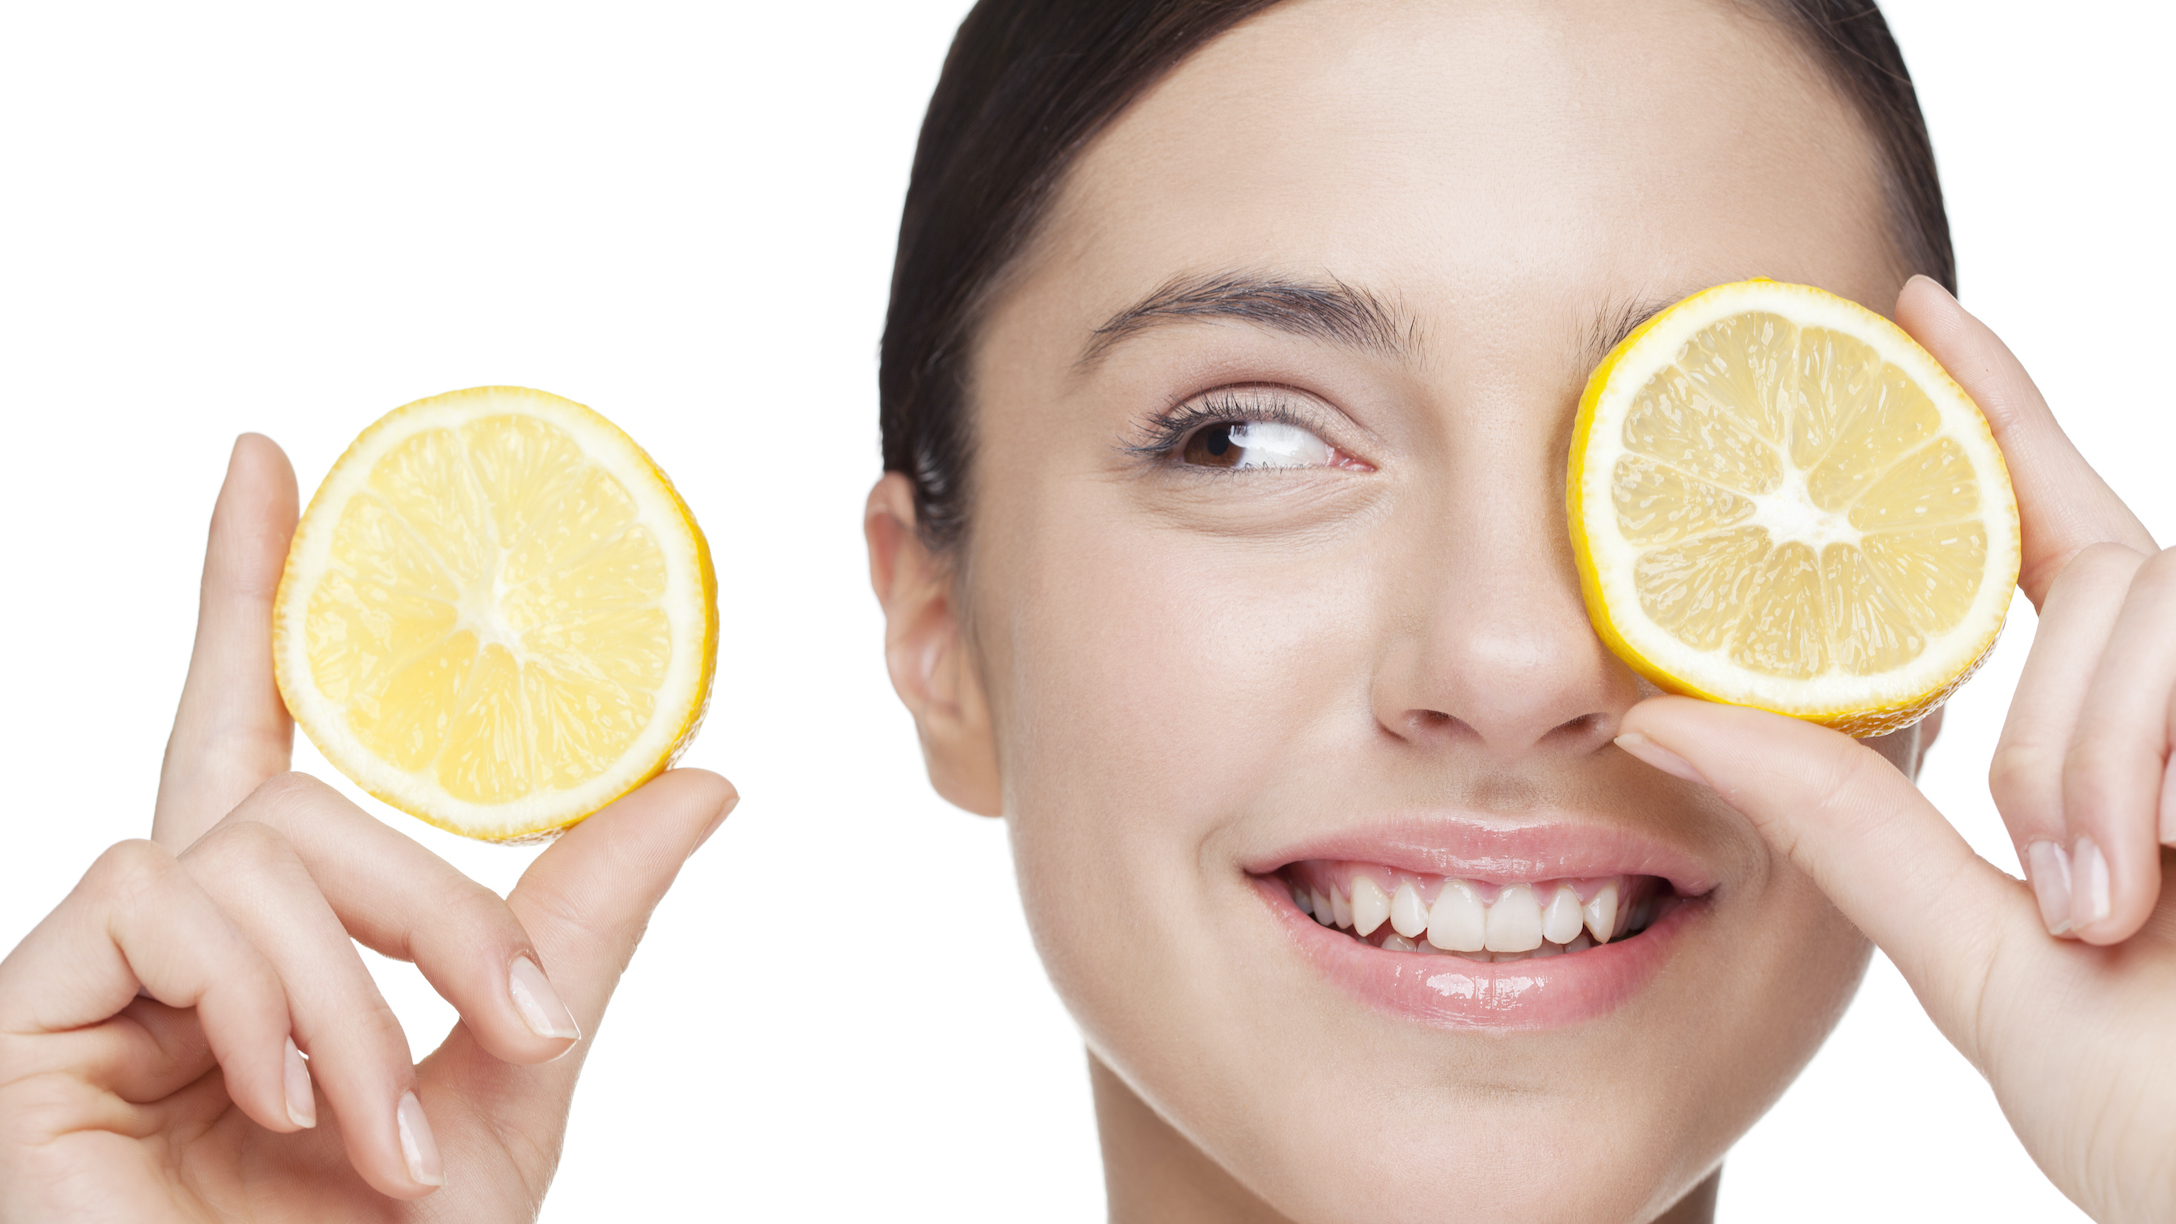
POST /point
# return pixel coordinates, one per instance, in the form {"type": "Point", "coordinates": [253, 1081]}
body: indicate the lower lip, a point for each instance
{"type": "Point", "coordinates": [1452, 992]}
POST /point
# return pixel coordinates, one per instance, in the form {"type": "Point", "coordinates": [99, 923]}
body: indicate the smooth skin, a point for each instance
{"type": "Point", "coordinates": [146, 1070]}
{"type": "Point", "coordinates": [1159, 675]}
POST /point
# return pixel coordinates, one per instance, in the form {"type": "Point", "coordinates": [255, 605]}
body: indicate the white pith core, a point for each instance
{"type": "Point", "coordinates": [1398, 911]}
{"type": "Point", "coordinates": [482, 610]}
{"type": "Point", "coordinates": [1788, 514]}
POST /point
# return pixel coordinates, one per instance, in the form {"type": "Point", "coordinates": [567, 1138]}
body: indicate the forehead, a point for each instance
{"type": "Point", "coordinates": [1449, 152]}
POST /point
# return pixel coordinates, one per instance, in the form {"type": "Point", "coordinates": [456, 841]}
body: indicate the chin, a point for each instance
{"type": "Point", "coordinates": [1443, 1014]}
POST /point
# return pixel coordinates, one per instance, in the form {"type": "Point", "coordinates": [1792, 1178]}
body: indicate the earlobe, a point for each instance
{"type": "Point", "coordinates": [926, 653]}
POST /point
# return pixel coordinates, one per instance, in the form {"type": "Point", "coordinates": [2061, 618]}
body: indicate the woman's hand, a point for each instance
{"type": "Point", "coordinates": [2062, 993]}
{"type": "Point", "coordinates": [152, 1027]}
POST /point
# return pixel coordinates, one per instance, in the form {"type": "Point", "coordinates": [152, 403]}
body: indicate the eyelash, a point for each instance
{"type": "Point", "coordinates": [1168, 432]}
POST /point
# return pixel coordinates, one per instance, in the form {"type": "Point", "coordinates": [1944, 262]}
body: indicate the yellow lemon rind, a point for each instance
{"type": "Point", "coordinates": [1635, 359]}
{"type": "Point", "coordinates": [524, 821]}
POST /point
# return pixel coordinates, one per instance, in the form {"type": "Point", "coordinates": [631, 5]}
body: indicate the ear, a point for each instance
{"type": "Point", "coordinates": [930, 665]}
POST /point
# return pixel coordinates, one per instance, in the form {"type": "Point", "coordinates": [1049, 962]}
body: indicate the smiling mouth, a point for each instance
{"type": "Point", "coordinates": [1479, 920]}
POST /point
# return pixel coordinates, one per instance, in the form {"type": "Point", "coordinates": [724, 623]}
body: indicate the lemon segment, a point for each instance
{"type": "Point", "coordinates": [1778, 499]}
{"type": "Point", "coordinates": [497, 614]}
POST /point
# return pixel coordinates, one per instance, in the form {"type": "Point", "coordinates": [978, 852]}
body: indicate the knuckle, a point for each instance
{"type": "Point", "coordinates": [241, 849]}
{"type": "Point", "coordinates": [370, 1030]}
{"type": "Point", "coordinates": [291, 789]}
{"type": "Point", "coordinates": [2105, 559]}
{"type": "Point", "coordinates": [2018, 774]}
{"type": "Point", "coordinates": [251, 843]}
{"type": "Point", "coordinates": [2156, 573]}
{"type": "Point", "coordinates": [471, 919]}
{"type": "Point", "coordinates": [2089, 771]}
{"type": "Point", "coordinates": [130, 872]}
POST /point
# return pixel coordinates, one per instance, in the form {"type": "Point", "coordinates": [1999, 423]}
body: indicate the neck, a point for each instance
{"type": "Point", "coordinates": [1151, 1172]}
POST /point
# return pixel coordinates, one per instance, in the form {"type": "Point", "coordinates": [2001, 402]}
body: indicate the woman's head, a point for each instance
{"type": "Point", "coordinates": [1028, 84]}
{"type": "Point", "coordinates": [1256, 588]}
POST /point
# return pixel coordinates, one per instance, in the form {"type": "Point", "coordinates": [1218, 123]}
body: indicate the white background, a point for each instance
{"type": "Point", "coordinates": [294, 218]}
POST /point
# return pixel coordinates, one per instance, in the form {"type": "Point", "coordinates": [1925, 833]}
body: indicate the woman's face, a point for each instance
{"type": "Point", "coordinates": [1270, 595]}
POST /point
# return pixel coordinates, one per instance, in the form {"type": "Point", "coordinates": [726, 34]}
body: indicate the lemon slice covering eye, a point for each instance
{"type": "Point", "coordinates": [1778, 499]}
{"type": "Point", "coordinates": [497, 615]}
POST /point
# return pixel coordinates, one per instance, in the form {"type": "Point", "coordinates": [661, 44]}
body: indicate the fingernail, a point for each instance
{"type": "Point", "coordinates": [540, 1006]}
{"type": "Point", "coordinates": [2089, 875]}
{"type": "Point", "coordinates": [417, 1146]}
{"type": "Point", "coordinates": [2049, 866]}
{"type": "Point", "coordinates": [301, 1100]}
{"type": "Point", "coordinates": [1660, 757]}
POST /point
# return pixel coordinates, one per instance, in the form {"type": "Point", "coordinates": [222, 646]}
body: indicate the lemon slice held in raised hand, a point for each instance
{"type": "Point", "coordinates": [497, 615]}
{"type": "Point", "coordinates": [1778, 499]}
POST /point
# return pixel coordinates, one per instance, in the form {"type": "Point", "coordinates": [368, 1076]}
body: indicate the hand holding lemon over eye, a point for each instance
{"type": "Point", "coordinates": [2056, 989]}
{"type": "Point", "coordinates": [1778, 499]}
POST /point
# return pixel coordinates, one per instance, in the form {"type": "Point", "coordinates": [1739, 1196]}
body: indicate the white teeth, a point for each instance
{"type": "Point", "coordinates": [1408, 917]}
{"type": "Point", "coordinates": [1601, 913]}
{"type": "Point", "coordinates": [1458, 921]}
{"type": "Point", "coordinates": [1561, 920]}
{"type": "Point", "coordinates": [1524, 919]}
{"type": "Point", "coordinates": [1514, 921]}
{"type": "Point", "coordinates": [1370, 904]}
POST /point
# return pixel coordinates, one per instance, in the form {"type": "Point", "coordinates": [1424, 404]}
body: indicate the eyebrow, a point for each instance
{"type": "Point", "coordinates": [1328, 310]}
{"type": "Point", "coordinates": [1620, 317]}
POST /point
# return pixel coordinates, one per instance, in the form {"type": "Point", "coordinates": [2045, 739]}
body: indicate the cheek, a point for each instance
{"type": "Point", "coordinates": [1164, 680]}
{"type": "Point", "coordinates": [1148, 690]}
{"type": "Point", "coordinates": [1787, 966]}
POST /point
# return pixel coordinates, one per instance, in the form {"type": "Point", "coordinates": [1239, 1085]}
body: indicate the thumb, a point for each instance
{"type": "Point", "coordinates": [585, 903]}
{"type": "Point", "coordinates": [587, 900]}
{"type": "Point", "coordinates": [1847, 818]}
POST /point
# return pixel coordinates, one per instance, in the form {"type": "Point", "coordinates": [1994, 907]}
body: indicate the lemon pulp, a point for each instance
{"type": "Point", "coordinates": [1779, 499]}
{"type": "Point", "coordinates": [497, 613]}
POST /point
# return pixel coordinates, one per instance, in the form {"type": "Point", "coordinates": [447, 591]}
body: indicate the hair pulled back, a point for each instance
{"type": "Point", "coordinates": [1028, 83]}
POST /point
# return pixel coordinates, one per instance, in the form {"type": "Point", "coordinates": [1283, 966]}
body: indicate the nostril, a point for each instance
{"type": "Point", "coordinates": [1435, 724]}
{"type": "Point", "coordinates": [1585, 729]}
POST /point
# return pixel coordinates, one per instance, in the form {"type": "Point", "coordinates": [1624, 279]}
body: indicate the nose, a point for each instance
{"type": "Point", "coordinates": [1496, 653]}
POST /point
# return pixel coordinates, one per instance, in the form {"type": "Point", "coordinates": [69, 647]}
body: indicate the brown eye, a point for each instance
{"type": "Point", "coordinates": [1256, 444]}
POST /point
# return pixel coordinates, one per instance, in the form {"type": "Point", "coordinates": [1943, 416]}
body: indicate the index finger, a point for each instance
{"type": "Point", "coordinates": [232, 731]}
{"type": "Point", "coordinates": [2063, 505]}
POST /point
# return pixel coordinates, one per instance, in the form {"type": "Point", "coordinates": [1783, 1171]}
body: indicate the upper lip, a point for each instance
{"type": "Point", "coordinates": [1535, 845]}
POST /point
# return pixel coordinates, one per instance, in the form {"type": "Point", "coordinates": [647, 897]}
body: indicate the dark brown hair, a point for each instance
{"type": "Point", "coordinates": [1029, 82]}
